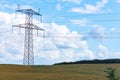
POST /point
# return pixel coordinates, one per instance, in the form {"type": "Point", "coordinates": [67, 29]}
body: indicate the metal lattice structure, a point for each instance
{"type": "Point", "coordinates": [29, 27]}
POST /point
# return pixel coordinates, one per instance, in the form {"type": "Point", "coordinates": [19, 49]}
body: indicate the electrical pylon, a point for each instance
{"type": "Point", "coordinates": [29, 27]}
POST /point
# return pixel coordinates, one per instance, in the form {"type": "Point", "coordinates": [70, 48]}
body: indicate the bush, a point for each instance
{"type": "Point", "coordinates": [111, 73]}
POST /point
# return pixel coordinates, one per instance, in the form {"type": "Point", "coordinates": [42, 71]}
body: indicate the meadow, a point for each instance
{"type": "Point", "coordinates": [56, 72]}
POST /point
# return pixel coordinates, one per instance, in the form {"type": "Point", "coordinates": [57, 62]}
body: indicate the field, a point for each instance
{"type": "Point", "coordinates": [56, 72]}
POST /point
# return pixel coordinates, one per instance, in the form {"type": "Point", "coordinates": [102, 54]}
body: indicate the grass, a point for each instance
{"type": "Point", "coordinates": [56, 72]}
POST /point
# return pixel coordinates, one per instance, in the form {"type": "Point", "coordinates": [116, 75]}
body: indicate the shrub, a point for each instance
{"type": "Point", "coordinates": [111, 73]}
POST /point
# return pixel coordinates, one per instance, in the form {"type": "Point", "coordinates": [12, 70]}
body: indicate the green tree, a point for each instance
{"type": "Point", "coordinates": [111, 73]}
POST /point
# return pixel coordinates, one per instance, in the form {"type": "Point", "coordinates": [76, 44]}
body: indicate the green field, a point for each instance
{"type": "Point", "coordinates": [56, 72]}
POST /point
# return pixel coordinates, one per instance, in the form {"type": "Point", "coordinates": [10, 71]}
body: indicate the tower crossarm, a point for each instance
{"type": "Point", "coordinates": [35, 27]}
{"type": "Point", "coordinates": [29, 11]}
{"type": "Point", "coordinates": [20, 26]}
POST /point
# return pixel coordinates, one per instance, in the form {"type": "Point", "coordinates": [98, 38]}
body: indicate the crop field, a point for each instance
{"type": "Point", "coordinates": [57, 72]}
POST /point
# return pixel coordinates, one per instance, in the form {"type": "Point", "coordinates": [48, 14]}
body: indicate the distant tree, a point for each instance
{"type": "Point", "coordinates": [111, 73]}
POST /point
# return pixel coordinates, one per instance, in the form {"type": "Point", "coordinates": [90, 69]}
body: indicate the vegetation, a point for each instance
{"type": "Point", "coordinates": [96, 61]}
{"type": "Point", "coordinates": [111, 73]}
{"type": "Point", "coordinates": [56, 72]}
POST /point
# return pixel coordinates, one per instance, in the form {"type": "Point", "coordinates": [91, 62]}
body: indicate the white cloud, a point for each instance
{"type": "Point", "coordinates": [113, 29]}
{"type": "Point", "coordinates": [88, 8]}
{"type": "Point", "coordinates": [115, 54]}
{"type": "Point", "coordinates": [60, 41]}
{"type": "Point", "coordinates": [66, 55]}
{"type": "Point", "coordinates": [58, 6]}
{"type": "Point", "coordinates": [72, 1]}
{"type": "Point", "coordinates": [11, 49]}
{"type": "Point", "coordinates": [103, 52]}
{"type": "Point", "coordinates": [118, 1]}
{"type": "Point", "coordinates": [82, 22]}
{"type": "Point", "coordinates": [85, 52]}
{"type": "Point", "coordinates": [97, 32]}
{"type": "Point", "coordinates": [59, 44]}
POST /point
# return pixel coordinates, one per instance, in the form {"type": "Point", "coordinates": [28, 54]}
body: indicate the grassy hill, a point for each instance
{"type": "Point", "coordinates": [56, 72]}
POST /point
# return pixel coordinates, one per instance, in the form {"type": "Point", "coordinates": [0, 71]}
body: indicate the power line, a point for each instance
{"type": "Point", "coordinates": [75, 37]}
{"type": "Point", "coordinates": [86, 15]}
{"type": "Point", "coordinates": [91, 21]}
{"type": "Point", "coordinates": [109, 20]}
{"type": "Point", "coordinates": [107, 35]}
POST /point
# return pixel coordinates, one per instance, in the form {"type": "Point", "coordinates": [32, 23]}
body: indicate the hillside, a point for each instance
{"type": "Point", "coordinates": [96, 61]}
{"type": "Point", "coordinates": [56, 72]}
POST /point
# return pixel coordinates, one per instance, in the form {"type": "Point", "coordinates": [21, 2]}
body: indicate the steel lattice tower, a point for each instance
{"type": "Point", "coordinates": [28, 41]}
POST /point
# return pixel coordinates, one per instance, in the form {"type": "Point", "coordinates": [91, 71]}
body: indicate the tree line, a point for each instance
{"type": "Point", "coordinates": [95, 61]}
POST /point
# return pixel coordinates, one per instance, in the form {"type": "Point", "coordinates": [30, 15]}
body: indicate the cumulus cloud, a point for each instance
{"type": "Point", "coordinates": [118, 1]}
{"type": "Point", "coordinates": [97, 32]}
{"type": "Point", "coordinates": [88, 8]}
{"type": "Point", "coordinates": [58, 44]}
{"type": "Point", "coordinates": [103, 52]}
{"type": "Point", "coordinates": [113, 29]}
{"type": "Point", "coordinates": [85, 53]}
{"type": "Point", "coordinates": [60, 41]}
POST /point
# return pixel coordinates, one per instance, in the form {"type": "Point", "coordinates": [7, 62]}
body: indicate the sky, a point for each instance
{"type": "Point", "coordinates": [74, 30]}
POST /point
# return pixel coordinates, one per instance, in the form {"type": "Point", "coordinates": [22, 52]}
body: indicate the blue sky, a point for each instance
{"type": "Point", "coordinates": [74, 30]}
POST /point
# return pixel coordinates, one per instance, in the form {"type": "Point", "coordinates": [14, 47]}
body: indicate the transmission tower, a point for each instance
{"type": "Point", "coordinates": [29, 27]}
